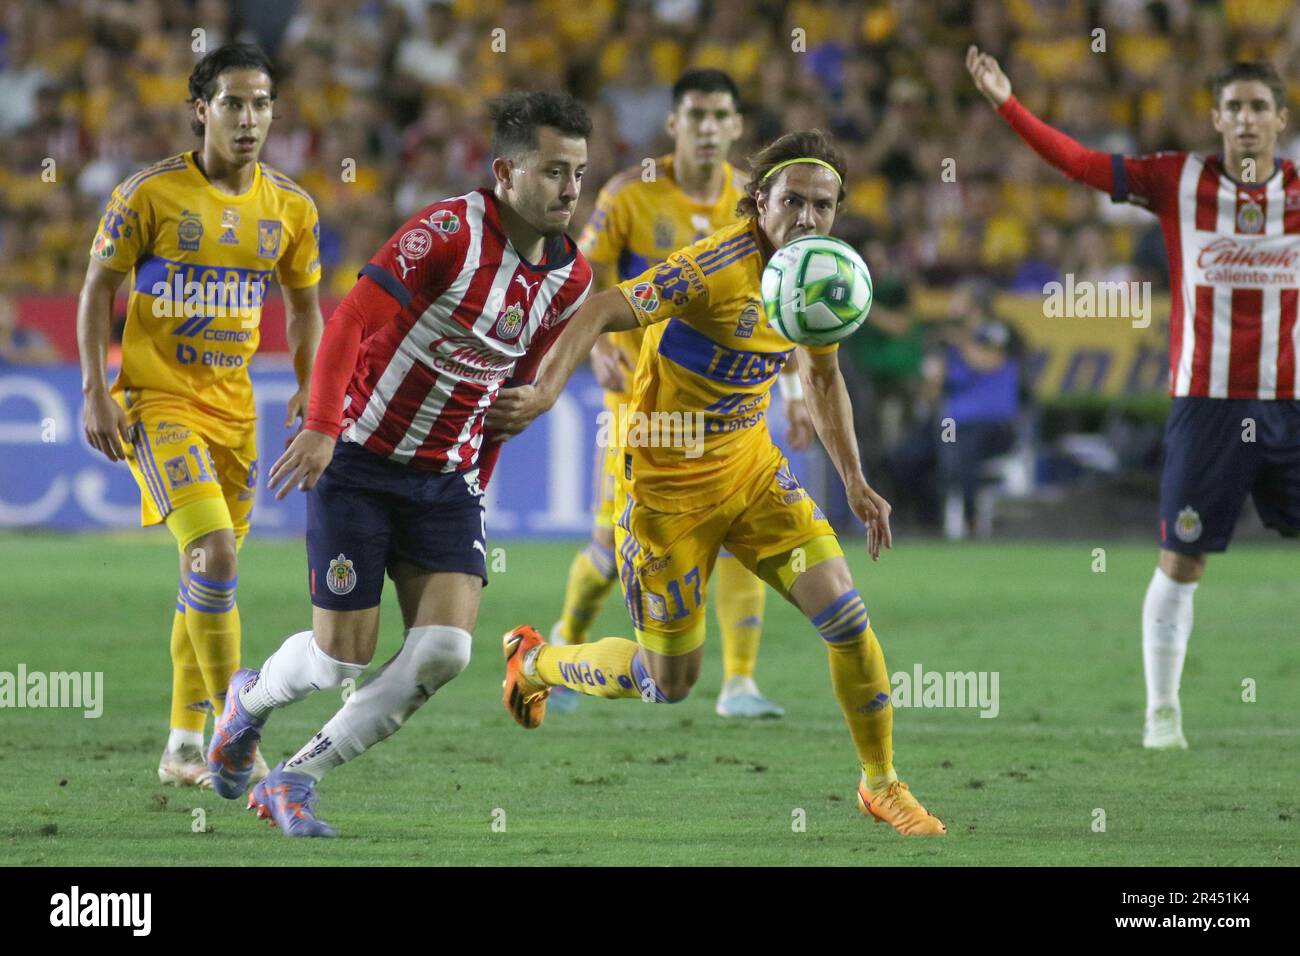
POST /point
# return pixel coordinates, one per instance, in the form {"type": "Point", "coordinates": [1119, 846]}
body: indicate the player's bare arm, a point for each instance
{"type": "Point", "coordinates": [611, 365]}
{"type": "Point", "coordinates": [988, 76]}
{"type": "Point", "coordinates": [832, 415]}
{"type": "Point", "coordinates": [302, 330]}
{"type": "Point", "coordinates": [103, 419]}
{"type": "Point", "coordinates": [515, 408]}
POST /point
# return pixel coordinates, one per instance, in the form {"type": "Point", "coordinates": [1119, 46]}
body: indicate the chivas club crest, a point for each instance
{"type": "Point", "coordinates": [1187, 527]}
{"type": "Point", "coordinates": [511, 323]}
{"type": "Point", "coordinates": [341, 578]}
{"type": "Point", "coordinates": [1250, 217]}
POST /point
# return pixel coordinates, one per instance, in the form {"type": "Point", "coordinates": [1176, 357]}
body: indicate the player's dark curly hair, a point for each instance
{"type": "Point", "coordinates": [516, 118]}
{"type": "Point", "coordinates": [1260, 70]}
{"type": "Point", "coordinates": [228, 56]}
{"type": "Point", "coordinates": [812, 143]}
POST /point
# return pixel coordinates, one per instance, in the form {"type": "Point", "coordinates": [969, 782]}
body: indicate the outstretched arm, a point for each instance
{"type": "Point", "coordinates": [515, 408]}
{"type": "Point", "coordinates": [1071, 157]}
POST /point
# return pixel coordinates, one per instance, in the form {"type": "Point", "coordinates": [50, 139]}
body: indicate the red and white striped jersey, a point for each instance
{"type": "Point", "coordinates": [474, 316]}
{"type": "Point", "coordinates": [1234, 272]}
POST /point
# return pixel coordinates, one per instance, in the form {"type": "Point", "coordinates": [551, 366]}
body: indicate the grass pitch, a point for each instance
{"type": "Point", "coordinates": [622, 782]}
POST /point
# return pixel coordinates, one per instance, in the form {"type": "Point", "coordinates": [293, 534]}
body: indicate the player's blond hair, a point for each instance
{"type": "Point", "coordinates": [803, 144]}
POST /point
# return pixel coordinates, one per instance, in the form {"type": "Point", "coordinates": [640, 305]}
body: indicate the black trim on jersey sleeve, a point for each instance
{"type": "Point", "coordinates": [1119, 178]}
{"type": "Point", "coordinates": [388, 282]}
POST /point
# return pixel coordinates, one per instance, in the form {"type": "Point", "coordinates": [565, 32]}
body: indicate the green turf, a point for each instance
{"type": "Point", "coordinates": [622, 782]}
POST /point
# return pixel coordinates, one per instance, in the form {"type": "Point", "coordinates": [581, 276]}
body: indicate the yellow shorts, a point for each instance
{"type": "Point", "coordinates": [769, 523]}
{"type": "Point", "coordinates": [175, 465]}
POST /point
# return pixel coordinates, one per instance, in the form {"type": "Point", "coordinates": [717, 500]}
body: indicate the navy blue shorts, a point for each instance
{"type": "Point", "coordinates": [367, 513]}
{"type": "Point", "coordinates": [1210, 467]}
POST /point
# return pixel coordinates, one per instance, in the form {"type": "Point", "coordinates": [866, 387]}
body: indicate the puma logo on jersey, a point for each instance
{"type": "Point", "coordinates": [528, 289]}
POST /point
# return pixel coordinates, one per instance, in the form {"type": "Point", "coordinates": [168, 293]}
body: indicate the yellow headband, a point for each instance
{"type": "Point", "coordinates": [802, 159]}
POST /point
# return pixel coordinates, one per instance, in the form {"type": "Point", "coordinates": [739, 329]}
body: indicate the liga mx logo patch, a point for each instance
{"type": "Point", "coordinates": [341, 578]}
{"type": "Point", "coordinates": [1187, 526]}
{"type": "Point", "coordinates": [646, 299]}
{"type": "Point", "coordinates": [268, 238]}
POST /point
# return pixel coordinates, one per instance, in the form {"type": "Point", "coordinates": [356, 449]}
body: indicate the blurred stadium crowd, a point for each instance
{"type": "Point", "coordinates": [940, 190]}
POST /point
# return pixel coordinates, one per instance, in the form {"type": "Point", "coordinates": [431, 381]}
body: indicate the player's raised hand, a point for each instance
{"type": "Point", "coordinates": [873, 511]}
{"type": "Point", "coordinates": [988, 76]}
{"type": "Point", "coordinates": [799, 424]}
{"type": "Point", "coordinates": [611, 365]}
{"type": "Point", "coordinates": [302, 463]}
{"type": "Point", "coordinates": [514, 410]}
{"type": "Point", "coordinates": [105, 424]}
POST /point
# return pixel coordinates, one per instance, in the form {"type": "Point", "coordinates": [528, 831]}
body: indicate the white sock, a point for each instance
{"type": "Point", "coordinates": [430, 657]}
{"type": "Point", "coordinates": [293, 672]}
{"type": "Point", "coordinates": [1166, 626]}
{"type": "Point", "coordinates": [184, 738]}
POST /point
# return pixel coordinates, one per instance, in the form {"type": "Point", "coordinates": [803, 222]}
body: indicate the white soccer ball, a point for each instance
{"type": "Point", "coordinates": [816, 290]}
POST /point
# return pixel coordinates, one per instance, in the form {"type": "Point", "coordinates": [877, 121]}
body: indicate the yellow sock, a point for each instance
{"type": "Point", "coordinates": [739, 597]}
{"type": "Point", "coordinates": [213, 622]}
{"type": "Point", "coordinates": [608, 668]}
{"type": "Point", "coordinates": [189, 692]}
{"type": "Point", "coordinates": [861, 684]}
{"type": "Point", "coordinates": [591, 575]}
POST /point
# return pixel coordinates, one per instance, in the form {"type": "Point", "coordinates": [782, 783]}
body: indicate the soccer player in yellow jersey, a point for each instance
{"type": "Point", "coordinates": [202, 232]}
{"type": "Point", "coordinates": [643, 214]}
{"type": "Point", "coordinates": [710, 356]}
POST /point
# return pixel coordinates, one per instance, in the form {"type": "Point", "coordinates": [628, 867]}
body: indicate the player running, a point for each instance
{"type": "Point", "coordinates": [203, 232]}
{"type": "Point", "coordinates": [468, 293]}
{"type": "Point", "coordinates": [709, 351]}
{"type": "Point", "coordinates": [1232, 230]}
{"type": "Point", "coordinates": [637, 222]}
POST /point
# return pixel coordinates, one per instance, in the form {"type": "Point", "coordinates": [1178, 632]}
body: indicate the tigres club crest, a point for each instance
{"type": "Point", "coordinates": [511, 323]}
{"type": "Point", "coordinates": [341, 578]}
{"type": "Point", "coordinates": [268, 238]}
{"type": "Point", "coordinates": [1187, 526]}
{"type": "Point", "coordinates": [1250, 217]}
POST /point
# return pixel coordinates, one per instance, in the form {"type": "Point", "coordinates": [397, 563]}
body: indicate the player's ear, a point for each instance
{"type": "Point", "coordinates": [670, 124]}
{"type": "Point", "coordinates": [503, 172]}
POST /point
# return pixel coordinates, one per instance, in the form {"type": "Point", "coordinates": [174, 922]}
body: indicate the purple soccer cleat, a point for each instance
{"type": "Point", "coordinates": [234, 741]}
{"type": "Point", "coordinates": [288, 801]}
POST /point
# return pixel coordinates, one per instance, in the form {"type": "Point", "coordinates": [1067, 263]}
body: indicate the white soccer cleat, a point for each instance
{"type": "Point", "coordinates": [184, 767]}
{"type": "Point", "coordinates": [740, 697]}
{"type": "Point", "coordinates": [1164, 730]}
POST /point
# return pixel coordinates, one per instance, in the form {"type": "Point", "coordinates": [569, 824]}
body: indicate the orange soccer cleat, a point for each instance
{"type": "Point", "coordinates": [523, 699]}
{"type": "Point", "coordinates": [897, 807]}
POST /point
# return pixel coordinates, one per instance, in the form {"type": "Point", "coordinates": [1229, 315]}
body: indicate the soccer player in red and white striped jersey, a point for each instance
{"type": "Point", "coordinates": [466, 297]}
{"type": "Point", "coordinates": [1231, 225]}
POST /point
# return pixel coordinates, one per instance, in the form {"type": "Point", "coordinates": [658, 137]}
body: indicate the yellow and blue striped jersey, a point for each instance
{"type": "Point", "coordinates": [202, 260]}
{"type": "Point", "coordinates": [708, 354]}
{"type": "Point", "coordinates": [638, 222]}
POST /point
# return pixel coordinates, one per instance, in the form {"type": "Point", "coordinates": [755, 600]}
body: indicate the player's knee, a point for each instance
{"type": "Point", "coordinates": [213, 555]}
{"type": "Point", "coordinates": [1183, 568]}
{"type": "Point", "coordinates": [675, 692]}
{"type": "Point", "coordinates": [441, 652]}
